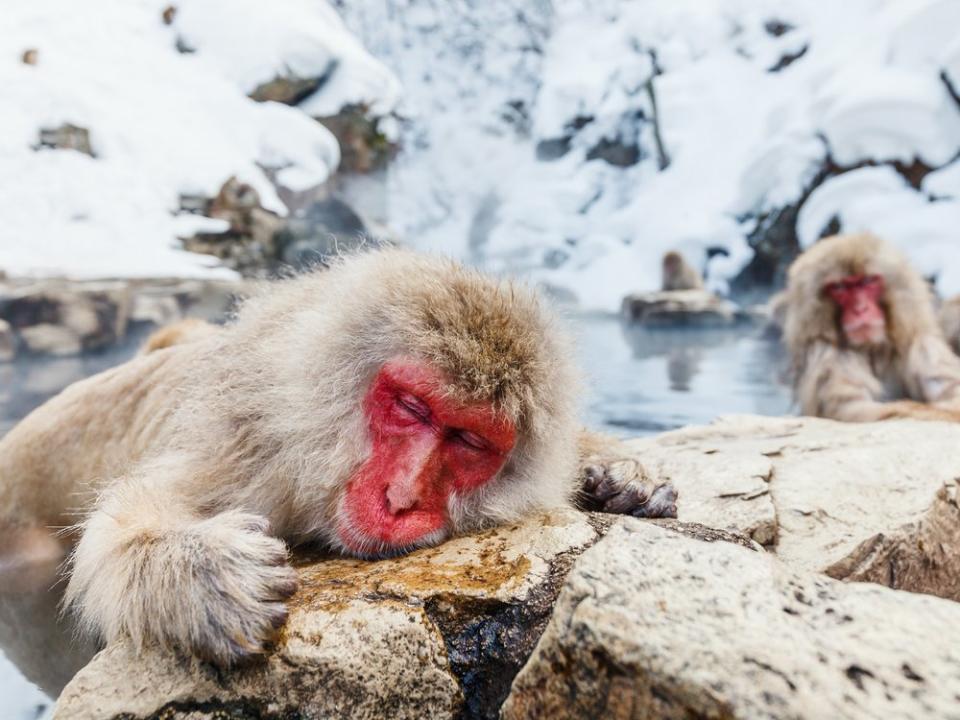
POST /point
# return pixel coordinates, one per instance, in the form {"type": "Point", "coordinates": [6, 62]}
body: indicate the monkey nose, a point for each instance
{"type": "Point", "coordinates": [401, 496]}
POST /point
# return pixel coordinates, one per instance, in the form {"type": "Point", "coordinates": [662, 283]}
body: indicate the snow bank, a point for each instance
{"type": "Point", "coordinates": [752, 99]}
{"type": "Point", "coordinates": [168, 114]}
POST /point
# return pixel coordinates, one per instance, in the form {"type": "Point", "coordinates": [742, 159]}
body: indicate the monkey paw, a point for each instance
{"type": "Point", "coordinates": [243, 580]}
{"type": "Point", "coordinates": [621, 486]}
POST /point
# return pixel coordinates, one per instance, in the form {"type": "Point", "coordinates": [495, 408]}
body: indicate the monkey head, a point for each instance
{"type": "Point", "coordinates": [672, 263]}
{"type": "Point", "coordinates": [855, 291]}
{"type": "Point", "coordinates": [425, 447]}
{"type": "Point", "coordinates": [426, 399]}
{"type": "Point", "coordinates": [861, 316]}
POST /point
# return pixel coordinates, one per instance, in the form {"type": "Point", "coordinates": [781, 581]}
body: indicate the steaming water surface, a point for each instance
{"type": "Point", "coordinates": [639, 383]}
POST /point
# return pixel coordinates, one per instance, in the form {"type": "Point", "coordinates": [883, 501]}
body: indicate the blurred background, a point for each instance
{"type": "Point", "coordinates": [156, 155]}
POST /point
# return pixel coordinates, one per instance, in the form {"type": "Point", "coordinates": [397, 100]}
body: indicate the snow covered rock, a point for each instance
{"type": "Point", "coordinates": [143, 102]}
{"type": "Point", "coordinates": [62, 318]}
{"type": "Point", "coordinates": [53, 318]}
{"type": "Point", "coordinates": [873, 502]}
{"type": "Point", "coordinates": [652, 624]}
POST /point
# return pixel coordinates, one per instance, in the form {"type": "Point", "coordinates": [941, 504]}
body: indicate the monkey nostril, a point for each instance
{"type": "Point", "coordinates": [399, 500]}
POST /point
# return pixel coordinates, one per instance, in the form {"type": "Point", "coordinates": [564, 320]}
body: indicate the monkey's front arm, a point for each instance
{"type": "Point", "coordinates": [150, 566]}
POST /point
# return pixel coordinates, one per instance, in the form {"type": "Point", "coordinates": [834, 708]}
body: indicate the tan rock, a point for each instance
{"type": "Point", "coordinates": [439, 633]}
{"type": "Point", "coordinates": [672, 308]}
{"type": "Point", "coordinates": [93, 313]}
{"type": "Point", "coordinates": [651, 624]}
{"type": "Point", "coordinates": [8, 342]}
{"type": "Point", "coordinates": [50, 339]}
{"type": "Point", "coordinates": [873, 501]}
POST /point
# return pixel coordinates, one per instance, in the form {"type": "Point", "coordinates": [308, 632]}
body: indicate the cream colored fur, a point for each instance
{"type": "Point", "coordinates": [913, 374]}
{"type": "Point", "coordinates": [949, 317]}
{"type": "Point", "coordinates": [191, 464]}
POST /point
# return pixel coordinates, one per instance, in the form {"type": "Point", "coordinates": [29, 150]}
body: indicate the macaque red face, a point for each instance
{"type": "Point", "coordinates": [861, 317]}
{"type": "Point", "coordinates": [425, 448]}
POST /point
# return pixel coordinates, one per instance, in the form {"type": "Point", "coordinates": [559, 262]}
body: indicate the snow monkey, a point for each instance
{"type": "Point", "coordinates": [864, 339]}
{"type": "Point", "coordinates": [376, 407]}
{"type": "Point", "coordinates": [678, 274]}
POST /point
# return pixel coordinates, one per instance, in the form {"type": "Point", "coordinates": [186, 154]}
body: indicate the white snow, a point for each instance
{"type": "Point", "coordinates": [741, 140]}
{"type": "Point", "coordinates": [162, 123]}
{"type": "Point", "coordinates": [879, 200]}
{"type": "Point", "coordinates": [485, 84]}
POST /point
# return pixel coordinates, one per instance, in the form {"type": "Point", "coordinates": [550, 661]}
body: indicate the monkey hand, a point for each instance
{"type": "Point", "coordinates": [909, 409]}
{"type": "Point", "coordinates": [621, 485]}
{"type": "Point", "coordinates": [243, 583]}
{"type": "Point", "coordinates": [213, 587]}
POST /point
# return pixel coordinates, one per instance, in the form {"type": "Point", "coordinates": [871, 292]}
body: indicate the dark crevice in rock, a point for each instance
{"type": "Point", "coordinates": [553, 148]}
{"type": "Point", "coordinates": [364, 146]}
{"type": "Point", "coordinates": [774, 242]}
{"type": "Point", "coordinates": [218, 710]}
{"type": "Point", "coordinates": [489, 641]}
{"type": "Point", "coordinates": [619, 153]}
{"type": "Point", "coordinates": [950, 87]}
{"type": "Point", "coordinates": [601, 522]}
{"type": "Point", "coordinates": [290, 88]}
{"type": "Point", "coordinates": [788, 59]}
{"type": "Point", "coordinates": [777, 27]}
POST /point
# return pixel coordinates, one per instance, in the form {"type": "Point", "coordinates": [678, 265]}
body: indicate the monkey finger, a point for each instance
{"type": "Point", "coordinates": [627, 500]}
{"type": "Point", "coordinates": [286, 588]}
{"type": "Point", "coordinates": [592, 476]}
{"type": "Point", "coordinates": [662, 503]}
{"type": "Point", "coordinates": [278, 616]}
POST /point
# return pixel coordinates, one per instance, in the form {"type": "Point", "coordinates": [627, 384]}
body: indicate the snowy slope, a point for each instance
{"type": "Point", "coordinates": [162, 122]}
{"type": "Point", "coordinates": [753, 99]}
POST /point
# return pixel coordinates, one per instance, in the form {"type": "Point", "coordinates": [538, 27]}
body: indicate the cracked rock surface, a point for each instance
{"type": "Point", "coordinates": [872, 502]}
{"type": "Point", "coordinates": [439, 633]}
{"type": "Point", "coordinates": [572, 615]}
{"type": "Point", "coordinates": [652, 624]}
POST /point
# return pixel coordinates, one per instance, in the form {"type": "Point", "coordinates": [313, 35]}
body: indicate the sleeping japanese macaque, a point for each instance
{"type": "Point", "coordinates": [863, 336]}
{"type": "Point", "coordinates": [678, 274]}
{"type": "Point", "coordinates": [377, 407]}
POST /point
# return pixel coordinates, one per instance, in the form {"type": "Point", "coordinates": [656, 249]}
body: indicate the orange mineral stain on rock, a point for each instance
{"type": "Point", "coordinates": [466, 566]}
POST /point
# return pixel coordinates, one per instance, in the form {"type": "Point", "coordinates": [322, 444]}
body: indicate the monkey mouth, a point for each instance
{"type": "Point", "coordinates": [866, 334]}
{"type": "Point", "coordinates": [377, 533]}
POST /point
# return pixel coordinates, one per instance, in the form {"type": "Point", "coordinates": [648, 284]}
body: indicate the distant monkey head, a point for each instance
{"type": "Point", "coordinates": [414, 399]}
{"type": "Point", "coordinates": [678, 274]}
{"type": "Point", "coordinates": [672, 262]}
{"type": "Point", "coordinates": [855, 291]}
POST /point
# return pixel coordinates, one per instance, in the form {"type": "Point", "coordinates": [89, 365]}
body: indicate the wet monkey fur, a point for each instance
{"type": "Point", "coordinates": [382, 405]}
{"type": "Point", "coordinates": [863, 336]}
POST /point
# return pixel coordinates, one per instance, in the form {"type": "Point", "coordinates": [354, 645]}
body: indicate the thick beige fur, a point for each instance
{"type": "Point", "coordinates": [912, 374]}
{"type": "Point", "coordinates": [949, 317]}
{"type": "Point", "coordinates": [177, 334]}
{"type": "Point", "coordinates": [678, 274]}
{"type": "Point", "coordinates": [191, 465]}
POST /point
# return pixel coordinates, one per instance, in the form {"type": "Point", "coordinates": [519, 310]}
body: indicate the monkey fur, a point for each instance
{"type": "Point", "coordinates": [182, 476]}
{"type": "Point", "coordinates": [911, 373]}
